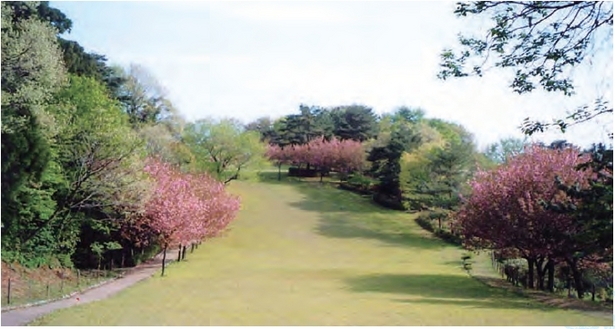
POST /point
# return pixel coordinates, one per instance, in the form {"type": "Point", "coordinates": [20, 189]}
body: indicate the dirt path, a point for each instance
{"type": "Point", "coordinates": [23, 316]}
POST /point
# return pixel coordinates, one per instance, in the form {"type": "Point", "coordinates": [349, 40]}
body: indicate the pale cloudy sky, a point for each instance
{"type": "Point", "coordinates": [253, 59]}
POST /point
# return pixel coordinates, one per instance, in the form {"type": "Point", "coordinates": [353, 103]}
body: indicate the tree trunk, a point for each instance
{"type": "Point", "coordinates": [184, 253]}
{"type": "Point", "coordinates": [192, 247]}
{"type": "Point", "coordinates": [179, 253]}
{"type": "Point", "coordinates": [540, 271]}
{"type": "Point", "coordinates": [551, 278]}
{"type": "Point", "coordinates": [576, 276]}
{"type": "Point", "coordinates": [439, 223]}
{"type": "Point", "coordinates": [322, 173]}
{"type": "Point", "coordinates": [279, 171]}
{"type": "Point", "coordinates": [530, 272]}
{"type": "Point", "coordinates": [164, 259]}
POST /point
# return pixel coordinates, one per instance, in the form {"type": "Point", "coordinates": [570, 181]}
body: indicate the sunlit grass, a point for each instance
{"type": "Point", "coordinates": [308, 254]}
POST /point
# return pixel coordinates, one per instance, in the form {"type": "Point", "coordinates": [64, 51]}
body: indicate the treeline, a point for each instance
{"type": "Point", "coordinates": [414, 162]}
{"type": "Point", "coordinates": [95, 156]}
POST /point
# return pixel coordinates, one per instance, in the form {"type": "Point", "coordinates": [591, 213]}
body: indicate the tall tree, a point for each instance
{"type": "Point", "coordinates": [143, 98]}
{"type": "Point", "coordinates": [448, 170]}
{"type": "Point", "coordinates": [504, 149]}
{"type": "Point", "coordinates": [356, 122]}
{"type": "Point", "coordinates": [222, 147]}
{"type": "Point", "coordinates": [386, 161]}
{"type": "Point", "coordinates": [31, 72]}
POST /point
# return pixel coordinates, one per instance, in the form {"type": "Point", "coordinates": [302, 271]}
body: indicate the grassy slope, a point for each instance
{"type": "Point", "coordinates": [304, 255]}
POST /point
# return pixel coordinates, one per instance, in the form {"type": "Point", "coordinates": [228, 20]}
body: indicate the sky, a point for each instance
{"type": "Point", "coordinates": [252, 59]}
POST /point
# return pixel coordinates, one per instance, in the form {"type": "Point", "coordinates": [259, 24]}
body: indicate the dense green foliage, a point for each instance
{"type": "Point", "coordinates": [75, 136]}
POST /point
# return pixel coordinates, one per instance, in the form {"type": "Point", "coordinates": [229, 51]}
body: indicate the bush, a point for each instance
{"type": "Point", "coordinates": [425, 223]}
{"type": "Point", "coordinates": [360, 181]}
{"type": "Point", "coordinates": [300, 172]}
{"type": "Point", "coordinates": [448, 237]}
{"type": "Point", "coordinates": [388, 202]}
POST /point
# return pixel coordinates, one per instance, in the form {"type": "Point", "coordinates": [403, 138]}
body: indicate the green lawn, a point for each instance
{"type": "Point", "coordinates": [301, 254]}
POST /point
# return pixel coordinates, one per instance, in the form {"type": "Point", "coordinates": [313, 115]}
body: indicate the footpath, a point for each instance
{"type": "Point", "coordinates": [23, 316]}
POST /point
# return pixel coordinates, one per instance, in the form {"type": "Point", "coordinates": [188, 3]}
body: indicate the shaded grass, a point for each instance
{"type": "Point", "coordinates": [302, 254]}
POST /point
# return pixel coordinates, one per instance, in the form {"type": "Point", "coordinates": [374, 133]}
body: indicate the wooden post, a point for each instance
{"type": "Point", "coordinates": [8, 296]}
{"type": "Point", "coordinates": [164, 258]}
{"type": "Point", "coordinates": [78, 278]}
{"type": "Point", "coordinates": [47, 290]}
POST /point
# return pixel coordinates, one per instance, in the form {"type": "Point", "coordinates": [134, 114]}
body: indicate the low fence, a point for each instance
{"type": "Point", "coordinates": [20, 292]}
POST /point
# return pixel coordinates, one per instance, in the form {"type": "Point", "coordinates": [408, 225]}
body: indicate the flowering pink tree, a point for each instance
{"type": "Point", "coordinates": [505, 209]}
{"type": "Point", "coordinates": [341, 155]}
{"type": "Point", "coordinates": [186, 208]}
{"type": "Point", "coordinates": [279, 155]}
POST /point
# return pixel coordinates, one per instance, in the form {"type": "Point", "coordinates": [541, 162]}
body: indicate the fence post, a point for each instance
{"type": "Point", "coordinates": [8, 296]}
{"type": "Point", "coordinates": [78, 278]}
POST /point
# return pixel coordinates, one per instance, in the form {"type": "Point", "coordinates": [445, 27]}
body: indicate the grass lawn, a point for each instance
{"type": "Point", "coordinates": [302, 254]}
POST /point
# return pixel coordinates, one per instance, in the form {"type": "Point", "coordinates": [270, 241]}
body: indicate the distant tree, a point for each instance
{"type": "Point", "coordinates": [448, 170]}
{"type": "Point", "coordinates": [325, 155]}
{"type": "Point", "coordinates": [143, 98]}
{"type": "Point", "coordinates": [264, 126]}
{"type": "Point", "coordinates": [407, 114]}
{"type": "Point", "coordinates": [504, 149]}
{"type": "Point", "coordinates": [386, 161]}
{"type": "Point", "coordinates": [356, 122]}
{"type": "Point", "coordinates": [222, 147]}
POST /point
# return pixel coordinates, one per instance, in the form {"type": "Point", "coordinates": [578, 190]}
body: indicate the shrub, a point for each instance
{"type": "Point", "coordinates": [300, 172]}
{"type": "Point", "coordinates": [425, 223]}
{"type": "Point", "coordinates": [360, 181]}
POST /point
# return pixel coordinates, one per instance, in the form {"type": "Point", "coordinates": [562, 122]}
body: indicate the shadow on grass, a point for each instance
{"type": "Point", "coordinates": [325, 196]}
{"type": "Point", "coordinates": [341, 227]}
{"type": "Point", "coordinates": [493, 304]}
{"type": "Point", "coordinates": [344, 214]}
{"type": "Point", "coordinates": [440, 289]}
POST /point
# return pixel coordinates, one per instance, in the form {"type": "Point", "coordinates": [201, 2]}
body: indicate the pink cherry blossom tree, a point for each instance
{"type": "Point", "coordinates": [343, 156]}
{"type": "Point", "coordinates": [505, 211]}
{"type": "Point", "coordinates": [186, 208]}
